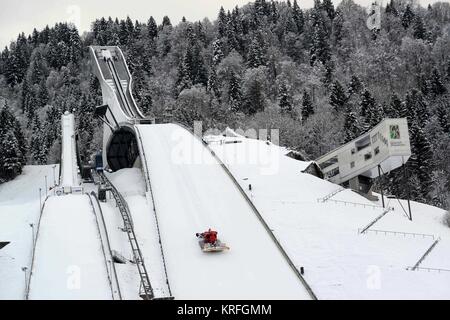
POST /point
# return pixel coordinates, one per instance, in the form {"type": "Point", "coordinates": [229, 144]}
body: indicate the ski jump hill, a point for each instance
{"type": "Point", "coordinates": [188, 190]}
{"type": "Point", "coordinates": [128, 232]}
{"type": "Point", "coordinates": [131, 233]}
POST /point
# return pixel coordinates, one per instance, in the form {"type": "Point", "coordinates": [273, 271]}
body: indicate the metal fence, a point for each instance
{"type": "Point", "coordinates": [33, 250]}
{"type": "Point", "coordinates": [439, 270]}
{"type": "Point", "coordinates": [328, 196]}
{"type": "Point", "coordinates": [397, 233]}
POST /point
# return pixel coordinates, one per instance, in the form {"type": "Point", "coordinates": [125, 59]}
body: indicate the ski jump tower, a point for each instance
{"type": "Point", "coordinates": [382, 149]}
{"type": "Point", "coordinates": [69, 182]}
{"type": "Point", "coordinates": [119, 111]}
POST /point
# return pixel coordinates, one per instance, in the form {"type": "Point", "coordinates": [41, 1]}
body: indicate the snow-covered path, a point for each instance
{"type": "Point", "coordinates": [193, 193]}
{"type": "Point", "coordinates": [69, 263]}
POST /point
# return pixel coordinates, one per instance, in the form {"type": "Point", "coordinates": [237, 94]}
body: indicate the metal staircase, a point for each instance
{"type": "Point", "coordinates": [426, 254]}
{"type": "Point", "coordinates": [375, 220]}
{"type": "Point", "coordinates": [330, 195]}
{"type": "Point", "coordinates": [147, 290]}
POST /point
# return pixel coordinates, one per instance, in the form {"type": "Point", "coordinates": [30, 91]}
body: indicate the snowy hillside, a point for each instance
{"type": "Point", "coordinates": [339, 263]}
{"type": "Point", "coordinates": [19, 207]}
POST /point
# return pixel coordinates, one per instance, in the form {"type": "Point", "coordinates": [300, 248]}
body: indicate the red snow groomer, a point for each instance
{"type": "Point", "coordinates": [209, 243]}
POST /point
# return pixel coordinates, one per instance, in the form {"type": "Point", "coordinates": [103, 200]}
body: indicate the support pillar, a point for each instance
{"type": "Point", "coordinates": [381, 185]}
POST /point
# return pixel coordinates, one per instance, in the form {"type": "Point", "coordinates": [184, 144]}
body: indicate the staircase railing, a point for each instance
{"type": "Point", "coordinates": [331, 194]}
{"type": "Point", "coordinates": [376, 220]}
{"type": "Point", "coordinates": [128, 227]}
{"type": "Point", "coordinates": [426, 254]}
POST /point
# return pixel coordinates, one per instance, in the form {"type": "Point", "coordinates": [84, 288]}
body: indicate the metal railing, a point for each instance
{"type": "Point", "coordinates": [332, 194]}
{"type": "Point", "coordinates": [106, 247]}
{"type": "Point", "coordinates": [33, 255]}
{"type": "Point", "coordinates": [376, 220]}
{"type": "Point", "coordinates": [426, 254]}
{"type": "Point", "coordinates": [439, 270]}
{"type": "Point", "coordinates": [395, 233]}
{"type": "Point", "coordinates": [354, 204]}
{"type": "Point", "coordinates": [128, 228]}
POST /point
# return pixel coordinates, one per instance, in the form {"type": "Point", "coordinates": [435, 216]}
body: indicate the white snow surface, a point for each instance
{"type": "Point", "coordinates": [323, 237]}
{"type": "Point", "coordinates": [69, 263]}
{"type": "Point", "coordinates": [19, 207]}
{"type": "Point", "coordinates": [193, 193]}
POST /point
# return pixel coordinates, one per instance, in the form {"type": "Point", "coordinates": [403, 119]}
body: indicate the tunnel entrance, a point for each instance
{"type": "Point", "coordinates": [122, 150]}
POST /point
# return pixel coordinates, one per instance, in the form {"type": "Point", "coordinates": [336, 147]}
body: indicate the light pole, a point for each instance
{"type": "Point", "coordinates": [110, 270]}
{"type": "Point", "coordinates": [32, 232]}
{"type": "Point", "coordinates": [381, 185]}
{"type": "Point", "coordinates": [40, 200]}
{"type": "Point", "coordinates": [54, 175]}
{"type": "Point", "coordinates": [24, 269]}
{"type": "Point", "coordinates": [46, 187]}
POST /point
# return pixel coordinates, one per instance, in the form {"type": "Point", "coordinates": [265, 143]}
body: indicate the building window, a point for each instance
{"type": "Point", "coordinates": [333, 173]}
{"type": "Point", "coordinates": [352, 164]}
{"type": "Point", "coordinates": [375, 138]}
{"type": "Point", "coordinates": [362, 143]}
{"type": "Point", "coordinates": [394, 131]}
{"type": "Point", "coordinates": [377, 150]}
{"type": "Point", "coordinates": [368, 156]}
{"type": "Point", "coordinates": [328, 162]}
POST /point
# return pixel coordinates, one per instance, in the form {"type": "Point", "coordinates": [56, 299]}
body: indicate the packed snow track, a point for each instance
{"type": "Point", "coordinates": [69, 263]}
{"type": "Point", "coordinates": [192, 193]}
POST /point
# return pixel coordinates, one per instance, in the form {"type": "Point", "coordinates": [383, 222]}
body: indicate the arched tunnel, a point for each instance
{"type": "Point", "coordinates": [122, 150]}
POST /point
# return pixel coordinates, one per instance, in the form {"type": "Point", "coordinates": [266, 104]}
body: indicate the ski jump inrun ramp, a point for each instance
{"type": "Point", "coordinates": [68, 260]}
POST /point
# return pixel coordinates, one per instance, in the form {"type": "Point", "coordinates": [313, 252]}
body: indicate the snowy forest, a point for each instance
{"type": "Point", "coordinates": [319, 75]}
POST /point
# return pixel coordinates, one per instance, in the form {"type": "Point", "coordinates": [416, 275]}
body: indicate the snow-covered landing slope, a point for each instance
{"type": "Point", "coordinates": [19, 207]}
{"type": "Point", "coordinates": [130, 183]}
{"type": "Point", "coordinates": [69, 263]}
{"type": "Point", "coordinates": [323, 237]}
{"type": "Point", "coordinates": [193, 193]}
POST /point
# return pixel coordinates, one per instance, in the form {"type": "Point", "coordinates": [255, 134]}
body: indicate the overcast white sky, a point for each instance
{"type": "Point", "coordinates": [23, 15]}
